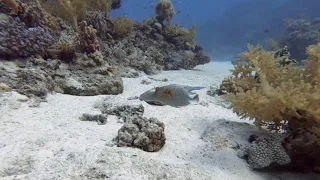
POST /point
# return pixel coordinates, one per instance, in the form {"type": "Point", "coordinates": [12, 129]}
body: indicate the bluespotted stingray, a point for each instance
{"type": "Point", "coordinates": [173, 95]}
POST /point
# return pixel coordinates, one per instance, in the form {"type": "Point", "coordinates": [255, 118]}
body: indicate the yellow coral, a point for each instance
{"type": "Point", "coordinates": [122, 26]}
{"type": "Point", "coordinates": [75, 10]}
{"type": "Point", "coordinates": [191, 36]}
{"type": "Point", "coordinates": [175, 31]}
{"type": "Point", "coordinates": [283, 96]}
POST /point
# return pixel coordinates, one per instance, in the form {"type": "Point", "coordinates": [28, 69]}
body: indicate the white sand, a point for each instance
{"type": "Point", "coordinates": [49, 142]}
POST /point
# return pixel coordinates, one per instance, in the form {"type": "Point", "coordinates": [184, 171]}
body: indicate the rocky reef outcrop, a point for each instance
{"type": "Point", "coordinates": [149, 48]}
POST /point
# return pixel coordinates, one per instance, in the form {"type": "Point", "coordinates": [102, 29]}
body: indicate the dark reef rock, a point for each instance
{"type": "Point", "coordinates": [124, 112]}
{"type": "Point", "coordinates": [303, 147]}
{"type": "Point", "coordinates": [145, 49]}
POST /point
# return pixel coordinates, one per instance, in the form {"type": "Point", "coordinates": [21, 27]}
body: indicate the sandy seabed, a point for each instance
{"type": "Point", "coordinates": [50, 142]}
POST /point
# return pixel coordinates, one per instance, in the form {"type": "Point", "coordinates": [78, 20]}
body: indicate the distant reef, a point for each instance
{"type": "Point", "coordinates": [72, 47]}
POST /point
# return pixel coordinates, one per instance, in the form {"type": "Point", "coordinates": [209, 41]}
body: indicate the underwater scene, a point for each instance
{"type": "Point", "coordinates": [159, 89]}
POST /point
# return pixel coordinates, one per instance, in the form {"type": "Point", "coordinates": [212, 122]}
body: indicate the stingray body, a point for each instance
{"type": "Point", "coordinates": [173, 95]}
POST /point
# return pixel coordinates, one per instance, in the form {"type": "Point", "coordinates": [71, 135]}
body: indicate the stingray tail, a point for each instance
{"type": "Point", "coordinates": [192, 88]}
{"type": "Point", "coordinates": [196, 98]}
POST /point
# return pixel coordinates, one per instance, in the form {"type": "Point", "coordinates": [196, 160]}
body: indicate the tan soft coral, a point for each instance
{"type": "Point", "coordinates": [283, 96]}
{"type": "Point", "coordinates": [123, 26]}
{"type": "Point", "coordinates": [75, 10]}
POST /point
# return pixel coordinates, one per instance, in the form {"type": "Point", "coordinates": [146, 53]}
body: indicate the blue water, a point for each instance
{"type": "Point", "coordinates": [225, 27]}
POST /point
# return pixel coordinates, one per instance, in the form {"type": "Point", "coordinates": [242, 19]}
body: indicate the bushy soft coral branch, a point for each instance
{"type": "Point", "coordinates": [283, 94]}
{"type": "Point", "coordinates": [312, 69]}
{"type": "Point", "coordinates": [255, 56]}
{"type": "Point", "coordinates": [75, 10]}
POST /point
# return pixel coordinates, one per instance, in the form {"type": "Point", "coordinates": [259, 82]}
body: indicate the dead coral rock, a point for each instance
{"type": "Point", "coordinates": [143, 133]}
{"type": "Point", "coordinates": [101, 119]}
{"type": "Point", "coordinates": [200, 59]}
{"type": "Point", "coordinates": [303, 148]}
{"type": "Point", "coordinates": [26, 78]}
{"type": "Point", "coordinates": [90, 60]}
{"type": "Point", "coordinates": [124, 112]}
{"type": "Point", "coordinates": [34, 82]}
{"type": "Point", "coordinates": [180, 60]}
{"type": "Point", "coordinates": [82, 83]}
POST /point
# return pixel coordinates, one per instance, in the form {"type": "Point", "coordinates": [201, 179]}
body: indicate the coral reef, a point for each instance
{"type": "Point", "coordinates": [146, 49]}
{"type": "Point", "coordinates": [285, 97]}
{"type": "Point", "coordinates": [17, 40]}
{"type": "Point", "coordinates": [90, 57]}
{"type": "Point", "coordinates": [143, 133]}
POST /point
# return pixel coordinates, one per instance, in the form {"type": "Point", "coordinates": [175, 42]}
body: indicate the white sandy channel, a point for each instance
{"type": "Point", "coordinates": [50, 142]}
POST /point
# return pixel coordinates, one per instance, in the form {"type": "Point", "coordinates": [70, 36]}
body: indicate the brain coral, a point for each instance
{"type": "Point", "coordinates": [266, 151]}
